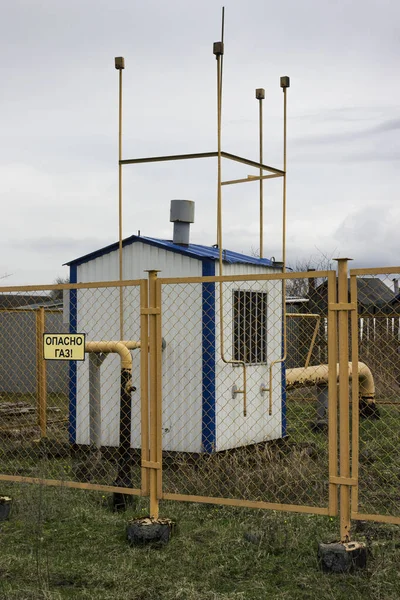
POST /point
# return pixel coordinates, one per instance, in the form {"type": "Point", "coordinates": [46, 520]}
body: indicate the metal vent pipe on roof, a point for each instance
{"type": "Point", "coordinates": [181, 215]}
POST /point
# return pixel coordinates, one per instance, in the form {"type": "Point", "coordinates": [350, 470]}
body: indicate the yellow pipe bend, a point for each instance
{"type": "Point", "coordinates": [109, 347]}
{"type": "Point", "coordinates": [318, 374]}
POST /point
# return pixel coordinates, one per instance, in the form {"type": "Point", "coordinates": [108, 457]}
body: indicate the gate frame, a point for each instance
{"type": "Point", "coordinates": [156, 491]}
{"type": "Point", "coordinates": [355, 514]}
{"type": "Point", "coordinates": [138, 283]}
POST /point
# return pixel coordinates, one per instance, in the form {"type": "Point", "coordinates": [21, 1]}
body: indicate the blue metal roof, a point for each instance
{"type": "Point", "coordinates": [196, 251]}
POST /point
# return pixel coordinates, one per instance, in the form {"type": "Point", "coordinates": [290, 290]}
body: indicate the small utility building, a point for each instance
{"type": "Point", "coordinates": [202, 410]}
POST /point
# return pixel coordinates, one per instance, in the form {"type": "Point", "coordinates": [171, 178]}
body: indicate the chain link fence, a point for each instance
{"type": "Point", "coordinates": [377, 448]}
{"type": "Point", "coordinates": [237, 421]}
{"type": "Point", "coordinates": [224, 388]}
{"type": "Point", "coordinates": [63, 419]}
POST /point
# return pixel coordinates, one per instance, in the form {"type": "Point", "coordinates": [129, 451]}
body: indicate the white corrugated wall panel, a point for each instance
{"type": "Point", "coordinates": [98, 317]}
{"type": "Point", "coordinates": [182, 367]}
{"type": "Point", "coordinates": [232, 427]}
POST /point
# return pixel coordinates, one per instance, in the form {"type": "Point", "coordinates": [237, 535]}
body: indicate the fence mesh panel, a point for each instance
{"type": "Point", "coordinates": [270, 446]}
{"type": "Point", "coordinates": [379, 431]}
{"type": "Point", "coordinates": [74, 438]}
{"type": "Point", "coordinates": [239, 419]}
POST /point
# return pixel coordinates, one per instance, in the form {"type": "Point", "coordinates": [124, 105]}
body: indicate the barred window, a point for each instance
{"type": "Point", "coordinates": [250, 327]}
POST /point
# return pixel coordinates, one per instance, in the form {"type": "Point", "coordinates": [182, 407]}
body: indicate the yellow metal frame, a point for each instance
{"type": "Point", "coordinates": [144, 385]}
{"type": "Point", "coordinates": [355, 395]}
{"type": "Point", "coordinates": [254, 277]}
{"type": "Point", "coordinates": [334, 480]}
{"type": "Point", "coordinates": [123, 347]}
{"type": "Point", "coordinates": [120, 262]}
{"type": "Point", "coordinates": [41, 373]}
{"type": "Point", "coordinates": [71, 484]}
{"type": "Point", "coordinates": [219, 154]}
{"type": "Point", "coordinates": [344, 413]}
{"type": "Point", "coordinates": [332, 396]}
{"type": "Point", "coordinates": [260, 178]}
{"type": "Point", "coordinates": [344, 479]}
{"type": "Point", "coordinates": [317, 510]}
{"type": "Point", "coordinates": [68, 286]}
{"type": "Point", "coordinates": [375, 271]}
{"type": "Point", "coordinates": [154, 462]}
{"type": "Point", "coordinates": [355, 424]}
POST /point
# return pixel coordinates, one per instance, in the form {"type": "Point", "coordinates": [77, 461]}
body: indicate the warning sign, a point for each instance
{"type": "Point", "coordinates": [64, 346]}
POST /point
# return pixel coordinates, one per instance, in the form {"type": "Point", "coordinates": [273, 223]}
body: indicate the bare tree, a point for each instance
{"type": "Point", "coordinates": [57, 295]}
{"type": "Point", "coordinates": [319, 262]}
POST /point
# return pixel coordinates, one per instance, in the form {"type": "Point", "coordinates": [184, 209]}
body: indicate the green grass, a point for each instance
{"type": "Point", "coordinates": [62, 543]}
{"type": "Point", "coordinates": [292, 471]}
{"type": "Point", "coordinates": [379, 469]}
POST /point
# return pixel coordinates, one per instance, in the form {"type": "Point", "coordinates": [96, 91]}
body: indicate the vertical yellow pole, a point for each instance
{"type": "Point", "coordinates": [41, 383]}
{"type": "Point", "coordinates": [120, 65]}
{"type": "Point", "coordinates": [260, 95]}
{"type": "Point", "coordinates": [344, 401]}
{"type": "Point", "coordinates": [355, 414]}
{"type": "Point", "coordinates": [332, 395]}
{"type": "Point", "coordinates": [144, 383]}
{"type": "Point", "coordinates": [218, 50]}
{"type": "Point", "coordinates": [285, 84]}
{"type": "Point", "coordinates": [219, 54]}
{"type": "Point", "coordinates": [158, 317]}
{"type": "Point", "coordinates": [154, 425]}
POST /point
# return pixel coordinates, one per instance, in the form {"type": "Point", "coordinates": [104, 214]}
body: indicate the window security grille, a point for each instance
{"type": "Point", "coordinates": [250, 327]}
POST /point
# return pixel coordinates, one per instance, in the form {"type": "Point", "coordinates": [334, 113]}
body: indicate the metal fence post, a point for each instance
{"type": "Point", "coordinates": [332, 394]}
{"type": "Point", "coordinates": [344, 400]}
{"type": "Point", "coordinates": [355, 415]}
{"type": "Point", "coordinates": [159, 344]}
{"type": "Point", "coordinates": [144, 384]}
{"type": "Point", "coordinates": [41, 381]}
{"type": "Point", "coordinates": [155, 349]}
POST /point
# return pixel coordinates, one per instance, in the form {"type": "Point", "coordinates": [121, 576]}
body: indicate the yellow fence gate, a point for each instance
{"type": "Point", "coordinates": [267, 390]}
{"type": "Point", "coordinates": [375, 341]}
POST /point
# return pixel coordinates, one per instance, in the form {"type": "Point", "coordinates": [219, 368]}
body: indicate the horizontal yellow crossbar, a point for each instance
{"type": "Point", "coordinates": [343, 481]}
{"type": "Point", "coordinates": [343, 306]}
{"type": "Point", "coordinates": [317, 510]}
{"type": "Point", "coordinates": [255, 277]}
{"type": "Point", "coordinates": [150, 311]}
{"type": "Point", "coordinates": [150, 464]}
{"type": "Point", "coordinates": [375, 271]}
{"type": "Point", "coordinates": [378, 518]}
{"type": "Point", "coordinates": [71, 484]}
{"type": "Point", "coordinates": [73, 286]}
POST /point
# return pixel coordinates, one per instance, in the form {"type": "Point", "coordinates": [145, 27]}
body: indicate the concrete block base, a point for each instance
{"type": "Point", "coordinates": [5, 507]}
{"type": "Point", "coordinates": [147, 531]}
{"type": "Point", "coordinates": [341, 557]}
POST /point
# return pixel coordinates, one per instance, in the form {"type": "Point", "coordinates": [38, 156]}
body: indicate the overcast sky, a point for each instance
{"type": "Point", "coordinates": [59, 119]}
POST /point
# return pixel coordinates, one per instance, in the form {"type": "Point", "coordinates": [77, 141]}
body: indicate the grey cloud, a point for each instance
{"type": "Point", "coordinates": [59, 116]}
{"type": "Point", "coordinates": [348, 113]}
{"type": "Point", "coordinates": [68, 247]}
{"type": "Point", "coordinates": [334, 138]}
{"type": "Point", "coordinates": [373, 232]}
{"type": "Point", "coordinates": [338, 157]}
{"type": "Point", "coordinates": [380, 155]}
